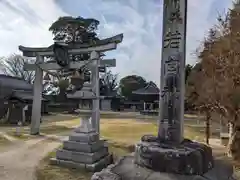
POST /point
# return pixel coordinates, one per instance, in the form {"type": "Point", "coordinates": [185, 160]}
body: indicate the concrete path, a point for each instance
{"type": "Point", "coordinates": [19, 161]}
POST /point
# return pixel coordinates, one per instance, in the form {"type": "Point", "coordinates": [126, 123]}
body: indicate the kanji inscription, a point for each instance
{"type": "Point", "coordinates": [172, 40]}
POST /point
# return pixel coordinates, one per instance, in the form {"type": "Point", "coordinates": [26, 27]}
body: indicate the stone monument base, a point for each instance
{"type": "Point", "coordinates": [187, 158]}
{"type": "Point", "coordinates": [126, 169]}
{"type": "Point", "coordinates": [157, 160]}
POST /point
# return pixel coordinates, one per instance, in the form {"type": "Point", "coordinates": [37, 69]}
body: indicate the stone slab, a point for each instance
{"type": "Point", "coordinates": [222, 170]}
{"type": "Point", "coordinates": [83, 147]}
{"type": "Point", "coordinates": [81, 157]}
{"type": "Point", "coordinates": [83, 137]}
{"type": "Point", "coordinates": [126, 169]}
{"type": "Point", "coordinates": [84, 130]}
{"type": "Point", "coordinates": [97, 166]}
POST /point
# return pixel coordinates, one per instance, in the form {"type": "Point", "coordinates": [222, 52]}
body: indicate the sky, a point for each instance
{"type": "Point", "coordinates": [26, 22]}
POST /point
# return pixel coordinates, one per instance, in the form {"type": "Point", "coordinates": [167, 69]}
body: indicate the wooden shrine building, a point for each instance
{"type": "Point", "coordinates": [16, 94]}
{"type": "Point", "coordinates": [149, 96]}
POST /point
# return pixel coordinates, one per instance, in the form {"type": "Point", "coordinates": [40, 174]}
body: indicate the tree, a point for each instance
{"type": "Point", "coordinates": [108, 83]}
{"type": "Point", "coordinates": [191, 94]}
{"type": "Point", "coordinates": [188, 70]}
{"type": "Point", "coordinates": [72, 30]}
{"type": "Point", "coordinates": [131, 83]}
{"type": "Point", "coordinates": [204, 86]}
{"type": "Point", "coordinates": [221, 66]}
{"type": "Point", "coordinates": [14, 66]}
{"type": "Point", "coordinates": [199, 96]}
{"type": "Point", "coordinates": [76, 31]}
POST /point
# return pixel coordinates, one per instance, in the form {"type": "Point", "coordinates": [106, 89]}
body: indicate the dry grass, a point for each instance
{"type": "Point", "coordinates": [121, 135]}
{"type": "Point", "coordinates": [55, 129]}
{"type": "Point", "coordinates": [120, 130]}
{"type": "Point", "coordinates": [4, 143]}
{"type": "Point", "coordinates": [48, 129]}
{"type": "Point", "coordinates": [21, 136]}
{"type": "Point", "coordinates": [3, 140]}
{"type": "Point", "coordinates": [130, 131]}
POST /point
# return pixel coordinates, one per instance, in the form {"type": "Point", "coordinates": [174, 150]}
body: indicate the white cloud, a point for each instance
{"type": "Point", "coordinates": [26, 22]}
{"type": "Point", "coordinates": [19, 26]}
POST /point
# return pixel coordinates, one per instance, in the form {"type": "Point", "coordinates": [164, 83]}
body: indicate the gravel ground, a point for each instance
{"type": "Point", "coordinates": [19, 162]}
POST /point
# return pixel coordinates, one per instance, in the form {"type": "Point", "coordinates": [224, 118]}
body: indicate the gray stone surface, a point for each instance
{"type": "Point", "coordinates": [97, 166]}
{"type": "Point", "coordinates": [84, 137]}
{"type": "Point", "coordinates": [83, 147]}
{"type": "Point", "coordinates": [186, 158]}
{"type": "Point", "coordinates": [85, 126]}
{"type": "Point", "coordinates": [84, 130]}
{"type": "Point", "coordinates": [81, 157]}
{"type": "Point", "coordinates": [126, 169]}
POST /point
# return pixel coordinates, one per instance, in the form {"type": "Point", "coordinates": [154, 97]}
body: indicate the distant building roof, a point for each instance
{"type": "Point", "coordinates": [15, 87]}
{"type": "Point", "coordinates": [14, 83]}
{"type": "Point", "coordinates": [150, 89]}
{"type": "Point", "coordinates": [24, 95]}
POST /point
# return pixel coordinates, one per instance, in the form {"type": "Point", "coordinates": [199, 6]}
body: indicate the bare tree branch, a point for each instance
{"type": "Point", "coordinates": [14, 66]}
{"type": "Point", "coordinates": [108, 83]}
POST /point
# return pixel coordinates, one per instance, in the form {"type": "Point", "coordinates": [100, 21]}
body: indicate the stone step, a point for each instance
{"type": "Point", "coordinates": [84, 137]}
{"type": "Point", "coordinates": [81, 157]}
{"type": "Point", "coordinates": [97, 166]}
{"type": "Point", "coordinates": [83, 147]}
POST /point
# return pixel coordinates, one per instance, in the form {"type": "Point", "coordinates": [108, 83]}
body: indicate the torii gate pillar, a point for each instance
{"type": "Point", "coordinates": [37, 98]}
{"type": "Point", "coordinates": [95, 88]}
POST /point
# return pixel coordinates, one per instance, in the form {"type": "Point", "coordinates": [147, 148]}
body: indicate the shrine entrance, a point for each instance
{"type": "Point", "coordinates": [59, 54]}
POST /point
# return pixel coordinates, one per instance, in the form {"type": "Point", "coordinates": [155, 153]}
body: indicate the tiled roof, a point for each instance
{"type": "Point", "coordinates": [14, 83]}
{"type": "Point", "coordinates": [24, 95]}
{"type": "Point", "coordinates": [11, 87]}
{"type": "Point", "coordinates": [150, 89]}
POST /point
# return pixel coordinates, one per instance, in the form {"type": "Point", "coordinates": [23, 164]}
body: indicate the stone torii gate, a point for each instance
{"type": "Point", "coordinates": [94, 62]}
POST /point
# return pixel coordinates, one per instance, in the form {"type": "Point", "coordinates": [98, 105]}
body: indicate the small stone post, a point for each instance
{"type": "Point", "coordinates": [37, 99]}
